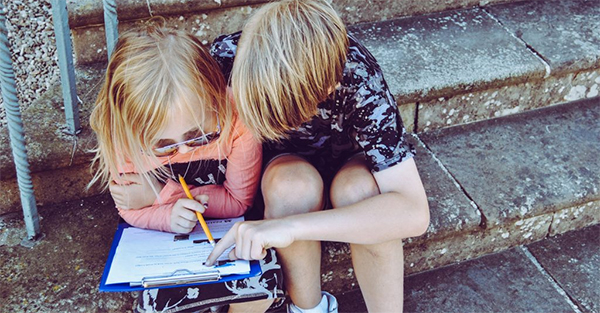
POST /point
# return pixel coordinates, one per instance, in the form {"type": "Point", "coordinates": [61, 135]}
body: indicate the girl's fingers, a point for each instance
{"type": "Point", "coordinates": [185, 226]}
{"type": "Point", "coordinates": [202, 199]}
{"type": "Point", "coordinates": [187, 220]}
{"type": "Point", "coordinates": [131, 178]}
{"type": "Point", "coordinates": [115, 189]}
{"type": "Point", "coordinates": [192, 205]}
{"type": "Point", "coordinates": [188, 215]}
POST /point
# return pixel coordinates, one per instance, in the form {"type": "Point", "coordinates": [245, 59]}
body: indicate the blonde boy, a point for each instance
{"type": "Point", "coordinates": [332, 138]}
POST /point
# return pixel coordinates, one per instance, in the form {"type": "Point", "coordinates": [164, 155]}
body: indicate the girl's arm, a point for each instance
{"type": "Point", "coordinates": [242, 178]}
{"type": "Point", "coordinates": [231, 199]}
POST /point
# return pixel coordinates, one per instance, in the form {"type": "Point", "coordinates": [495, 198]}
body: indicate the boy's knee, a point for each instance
{"type": "Point", "coordinates": [291, 191]}
{"type": "Point", "coordinates": [346, 191]}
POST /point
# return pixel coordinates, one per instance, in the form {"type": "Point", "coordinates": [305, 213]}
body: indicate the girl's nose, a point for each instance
{"type": "Point", "coordinates": [183, 149]}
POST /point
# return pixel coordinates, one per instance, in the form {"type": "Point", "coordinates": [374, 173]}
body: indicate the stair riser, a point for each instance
{"type": "Point", "coordinates": [50, 187]}
{"type": "Point", "coordinates": [463, 108]}
{"type": "Point", "coordinates": [427, 253]}
{"type": "Point", "coordinates": [207, 19]}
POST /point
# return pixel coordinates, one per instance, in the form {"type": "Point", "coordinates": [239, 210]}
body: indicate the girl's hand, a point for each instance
{"type": "Point", "coordinates": [135, 191]}
{"type": "Point", "coordinates": [252, 239]}
{"type": "Point", "coordinates": [183, 215]}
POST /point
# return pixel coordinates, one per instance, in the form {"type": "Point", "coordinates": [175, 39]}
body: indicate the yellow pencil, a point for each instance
{"type": "Point", "coordinates": [198, 215]}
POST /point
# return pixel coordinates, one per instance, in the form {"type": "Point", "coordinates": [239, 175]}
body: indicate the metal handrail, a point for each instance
{"type": "Point", "coordinates": [69, 90]}
{"type": "Point", "coordinates": [111, 24]}
{"type": "Point", "coordinates": [15, 131]}
{"type": "Point", "coordinates": [65, 63]}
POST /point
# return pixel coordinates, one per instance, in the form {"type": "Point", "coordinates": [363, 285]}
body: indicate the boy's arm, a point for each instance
{"type": "Point", "coordinates": [400, 211]}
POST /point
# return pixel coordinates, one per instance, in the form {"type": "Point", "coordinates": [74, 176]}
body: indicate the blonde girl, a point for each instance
{"type": "Point", "coordinates": [162, 112]}
{"type": "Point", "coordinates": [333, 138]}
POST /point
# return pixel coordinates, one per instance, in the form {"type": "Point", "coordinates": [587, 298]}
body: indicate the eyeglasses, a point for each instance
{"type": "Point", "coordinates": [192, 143]}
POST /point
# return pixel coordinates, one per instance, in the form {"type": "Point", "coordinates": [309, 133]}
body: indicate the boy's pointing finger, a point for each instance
{"type": "Point", "coordinates": [223, 244]}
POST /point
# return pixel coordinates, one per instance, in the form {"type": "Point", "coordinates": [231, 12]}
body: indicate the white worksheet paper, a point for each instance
{"type": "Point", "coordinates": [149, 253]}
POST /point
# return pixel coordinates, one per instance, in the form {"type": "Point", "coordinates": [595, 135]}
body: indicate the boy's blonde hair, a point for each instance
{"type": "Point", "coordinates": [290, 54]}
{"type": "Point", "coordinates": [151, 74]}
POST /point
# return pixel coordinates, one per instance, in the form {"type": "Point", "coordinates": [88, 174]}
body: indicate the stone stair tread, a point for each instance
{"type": "Point", "coordinates": [435, 55]}
{"type": "Point", "coordinates": [84, 13]}
{"type": "Point", "coordinates": [565, 33]}
{"type": "Point", "coordinates": [430, 56]}
{"type": "Point", "coordinates": [503, 182]}
{"type": "Point", "coordinates": [499, 183]}
{"type": "Point", "coordinates": [527, 164]}
{"type": "Point", "coordinates": [451, 210]}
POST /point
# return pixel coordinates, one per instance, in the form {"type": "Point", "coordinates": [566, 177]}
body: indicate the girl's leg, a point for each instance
{"type": "Point", "coordinates": [379, 268]}
{"type": "Point", "coordinates": [251, 306]}
{"type": "Point", "coordinates": [291, 185]}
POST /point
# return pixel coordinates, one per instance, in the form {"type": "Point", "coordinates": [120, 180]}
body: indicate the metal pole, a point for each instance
{"type": "Point", "coordinates": [15, 130]}
{"type": "Point", "coordinates": [65, 64]}
{"type": "Point", "coordinates": [111, 24]}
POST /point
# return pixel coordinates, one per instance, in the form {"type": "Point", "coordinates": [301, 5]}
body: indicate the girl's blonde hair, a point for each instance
{"type": "Point", "coordinates": [290, 54]}
{"type": "Point", "coordinates": [151, 74]}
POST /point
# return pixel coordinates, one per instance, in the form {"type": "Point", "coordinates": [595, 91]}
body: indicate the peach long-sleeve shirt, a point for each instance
{"type": "Point", "coordinates": [231, 199]}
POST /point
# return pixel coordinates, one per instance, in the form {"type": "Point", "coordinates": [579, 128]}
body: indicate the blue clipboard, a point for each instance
{"type": "Point", "coordinates": [192, 279]}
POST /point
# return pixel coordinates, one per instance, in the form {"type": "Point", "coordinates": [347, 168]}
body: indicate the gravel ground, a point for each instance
{"type": "Point", "coordinates": [31, 35]}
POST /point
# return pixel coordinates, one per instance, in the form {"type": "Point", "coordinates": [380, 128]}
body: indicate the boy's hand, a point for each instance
{"type": "Point", "coordinates": [183, 215]}
{"type": "Point", "coordinates": [252, 239]}
{"type": "Point", "coordinates": [134, 191]}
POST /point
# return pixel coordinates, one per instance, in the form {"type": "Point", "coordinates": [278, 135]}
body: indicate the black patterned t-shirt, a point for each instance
{"type": "Point", "coordinates": [361, 115]}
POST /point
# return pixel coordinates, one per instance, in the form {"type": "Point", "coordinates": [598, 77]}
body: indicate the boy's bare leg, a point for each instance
{"type": "Point", "coordinates": [380, 273]}
{"type": "Point", "coordinates": [290, 185]}
{"type": "Point", "coordinates": [379, 268]}
{"type": "Point", "coordinates": [251, 306]}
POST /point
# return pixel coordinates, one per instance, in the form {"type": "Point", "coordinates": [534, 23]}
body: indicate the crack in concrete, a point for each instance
{"type": "Point", "coordinates": [529, 48]}
{"type": "Point", "coordinates": [483, 221]}
{"type": "Point", "coordinates": [551, 279]}
{"type": "Point", "coordinates": [550, 226]}
{"type": "Point", "coordinates": [73, 150]}
{"type": "Point", "coordinates": [416, 119]}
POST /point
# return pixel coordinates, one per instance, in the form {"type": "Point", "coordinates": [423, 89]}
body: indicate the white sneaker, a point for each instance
{"type": "Point", "coordinates": [332, 302]}
{"type": "Point", "coordinates": [328, 304]}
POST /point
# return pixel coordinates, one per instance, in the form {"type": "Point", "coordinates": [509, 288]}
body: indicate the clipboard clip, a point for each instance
{"type": "Point", "coordinates": [178, 277]}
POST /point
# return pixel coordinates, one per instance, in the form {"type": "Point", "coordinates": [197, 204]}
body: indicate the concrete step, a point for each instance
{"type": "Point", "coordinates": [208, 19]}
{"type": "Point", "coordinates": [59, 163]}
{"type": "Point", "coordinates": [557, 274]}
{"type": "Point", "coordinates": [448, 68]}
{"type": "Point", "coordinates": [491, 185]}
{"type": "Point", "coordinates": [497, 184]}
{"type": "Point", "coordinates": [468, 65]}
